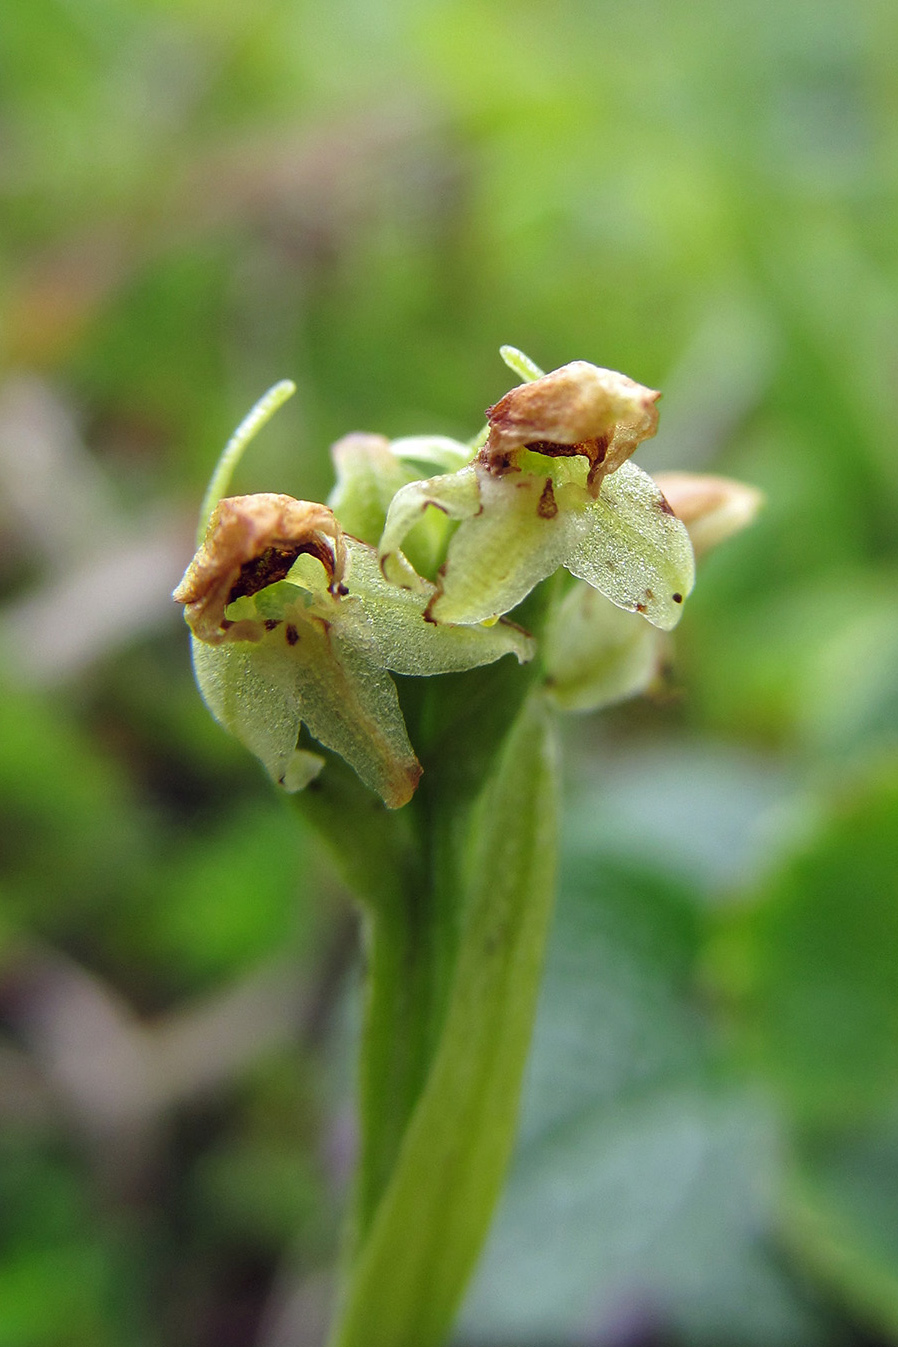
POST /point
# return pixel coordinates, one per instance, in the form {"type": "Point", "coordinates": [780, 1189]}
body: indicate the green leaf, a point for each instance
{"type": "Point", "coordinates": [842, 1216]}
{"type": "Point", "coordinates": [813, 966]}
{"type": "Point", "coordinates": [642, 1188]}
{"type": "Point", "coordinates": [412, 1269]}
{"type": "Point", "coordinates": [812, 969]}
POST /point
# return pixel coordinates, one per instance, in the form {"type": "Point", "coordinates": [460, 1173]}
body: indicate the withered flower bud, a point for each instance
{"type": "Point", "coordinates": [252, 542]}
{"type": "Point", "coordinates": [578, 409]}
{"type": "Point", "coordinates": [712, 508]}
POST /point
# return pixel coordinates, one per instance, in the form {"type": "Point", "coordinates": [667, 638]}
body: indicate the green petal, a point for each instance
{"type": "Point", "coordinates": [596, 654]}
{"type": "Point", "coordinates": [456, 495]}
{"type": "Point", "coordinates": [627, 544]}
{"type": "Point", "coordinates": [399, 637]}
{"type": "Point", "coordinates": [262, 691]}
{"type": "Point", "coordinates": [368, 477]}
{"type": "Point", "coordinates": [496, 557]}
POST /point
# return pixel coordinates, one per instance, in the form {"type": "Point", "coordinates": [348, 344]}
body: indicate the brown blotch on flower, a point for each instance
{"type": "Point", "coordinates": [252, 542]}
{"type": "Point", "coordinates": [547, 506]}
{"type": "Point", "coordinates": [579, 409]}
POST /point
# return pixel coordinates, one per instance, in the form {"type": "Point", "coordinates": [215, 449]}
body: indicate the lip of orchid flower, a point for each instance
{"type": "Point", "coordinates": [579, 409]}
{"type": "Point", "coordinates": [252, 542]}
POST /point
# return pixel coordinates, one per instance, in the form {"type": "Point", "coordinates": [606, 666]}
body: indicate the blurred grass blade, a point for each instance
{"type": "Point", "coordinates": [437, 1207]}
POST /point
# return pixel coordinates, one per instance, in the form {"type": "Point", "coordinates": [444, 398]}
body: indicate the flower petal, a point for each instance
{"type": "Point", "coordinates": [629, 545]}
{"type": "Point", "coordinates": [307, 673]}
{"type": "Point", "coordinates": [497, 556]}
{"type": "Point", "coordinates": [368, 477]}
{"type": "Point", "coordinates": [456, 495]}
{"type": "Point", "coordinates": [398, 637]}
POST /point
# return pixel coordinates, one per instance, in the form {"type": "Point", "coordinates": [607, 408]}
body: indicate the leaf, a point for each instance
{"type": "Point", "coordinates": [641, 1194]}
{"type": "Point", "coordinates": [812, 966]}
{"type": "Point", "coordinates": [812, 970]}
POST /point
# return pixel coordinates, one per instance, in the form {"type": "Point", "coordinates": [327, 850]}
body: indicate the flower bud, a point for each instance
{"type": "Point", "coordinates": [597, 654]}
{"type": "Point", "coordinates": [712, 508]}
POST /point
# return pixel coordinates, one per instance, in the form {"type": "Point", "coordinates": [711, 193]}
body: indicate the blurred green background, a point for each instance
{"type": "Point", "coordinates": [199, 199]}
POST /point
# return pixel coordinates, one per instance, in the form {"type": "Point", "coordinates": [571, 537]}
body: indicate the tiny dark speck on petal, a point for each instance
{"type": "Point", "coordinates": [677, 598]}
{"type": "Point", "coordinates": [292, 634]}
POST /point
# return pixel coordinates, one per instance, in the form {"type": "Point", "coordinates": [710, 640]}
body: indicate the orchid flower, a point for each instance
{"type": "Point", "coordinates": [300, 612]}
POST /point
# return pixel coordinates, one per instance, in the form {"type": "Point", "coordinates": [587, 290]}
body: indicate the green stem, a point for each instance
{"type": "Point", "coordinates": [458, 1044]}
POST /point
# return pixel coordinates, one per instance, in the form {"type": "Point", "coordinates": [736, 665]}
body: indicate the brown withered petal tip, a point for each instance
{"type": "Point", "coordinates": [579, 409]}
{"type": "Point", "coordinates": [251, 542]}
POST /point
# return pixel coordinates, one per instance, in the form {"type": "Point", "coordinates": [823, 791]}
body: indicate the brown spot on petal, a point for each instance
{"type": "Point", "coordinates": [292, 634]}
{"type": "Point", "coordinates": [251, 542]}
{"type": "Point", "coordinates": [547, 506]}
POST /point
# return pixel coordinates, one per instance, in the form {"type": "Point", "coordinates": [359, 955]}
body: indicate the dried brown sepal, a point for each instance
{"type": "Point", "coordinates": [252, 542]}
{"type": "Point", "coordinates": [577, 409]}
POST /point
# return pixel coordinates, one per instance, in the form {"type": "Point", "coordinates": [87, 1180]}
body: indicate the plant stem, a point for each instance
{"type": "Point", "coordinates": [455, 1046]}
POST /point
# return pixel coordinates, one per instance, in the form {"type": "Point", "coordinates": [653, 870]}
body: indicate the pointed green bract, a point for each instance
{"type": "Point", "coordinates": [521, 364]}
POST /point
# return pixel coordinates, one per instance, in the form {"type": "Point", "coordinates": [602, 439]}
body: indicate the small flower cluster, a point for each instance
{"type": "Point", "coordinates": [300, 612]}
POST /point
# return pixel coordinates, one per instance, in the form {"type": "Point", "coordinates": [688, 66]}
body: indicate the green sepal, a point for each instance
{"type": "Point", "coordinates": [264, 691]}
{"type": "Point", "coordinates": [518, 527]}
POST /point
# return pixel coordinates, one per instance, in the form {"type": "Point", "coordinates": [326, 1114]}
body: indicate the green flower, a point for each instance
{"type": "Point", "coordinates": [301, 612]}
{"type": "Point", "coordinates": [294, 625]}
{"type": "Point", "coordinates": [551, 487]}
